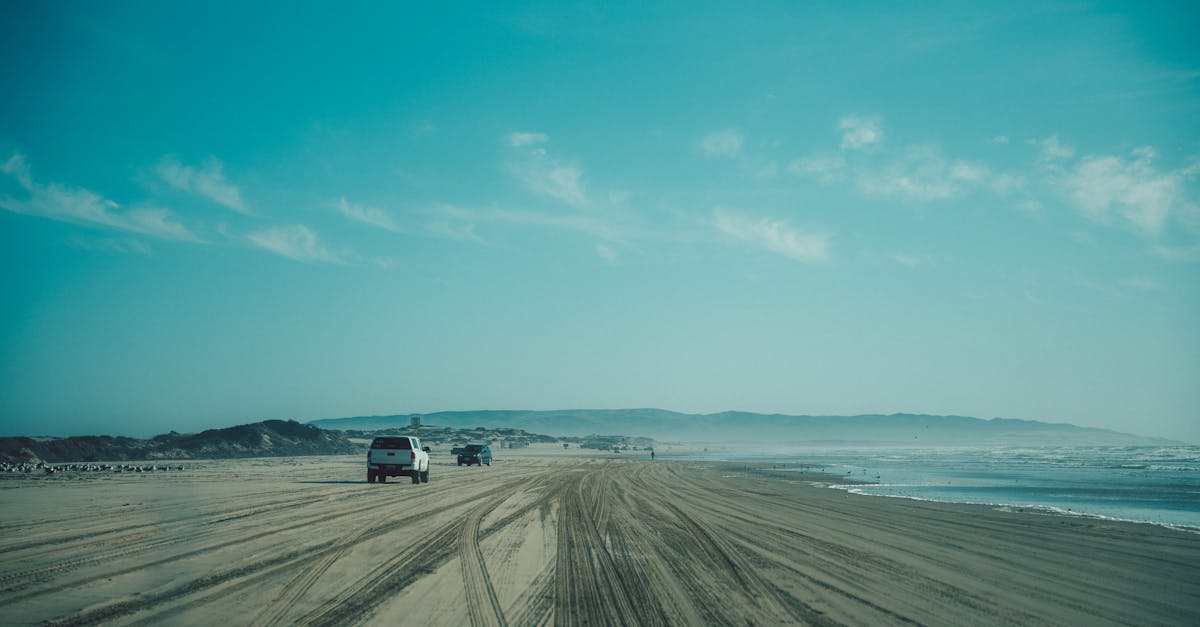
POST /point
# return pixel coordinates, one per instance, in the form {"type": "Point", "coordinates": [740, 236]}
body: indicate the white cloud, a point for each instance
{"type": "Point", "coordinates": [924, 175]}
{"type": "Point", "coordinates": [774, 235]}
{"type": "Point", "coordinates": [461, 219]}
{"type": "Point", "coordinates": [561, 181]}
{"type": "Point", "coordinates": [970, 172]}
{"type": "Point", "coordinates": [826, 169]}
{"type": "Point", "coordinates": [859, 132]}
{"type": "Point", "coordinates": [157, 222]}
{"type": "Point", "coordinates": [564, 182]}
{"type": "Point", "coordinates": [518, 139]}
{"type": "Point", "coordinates": [295, 242]}
{"type": "Point", "coordinates": [84, 207]}
{"type": "Point", "coordinates": [371, 216]}
{"type": "Point", "coordinates": [464, 232]}
{"type": "Point", "coordinates": [999, 140]}
{"type": "Point", "coordinates": [547, 176]}
{"type": "Point", "coordinates": [1052, 148]}
{"type": "Point", "coordinates": [1004, 183]}
{"type": "Point", "coordinates": [18, 169]}
{"type": "Point", "coordinates": [724, 143]}
{"type": "Point", "coordinates": [1098, 186]}
{"type": "Point", "coordinates": [207, 181]}
{"type": "Point", "coordinates": [606, 253]}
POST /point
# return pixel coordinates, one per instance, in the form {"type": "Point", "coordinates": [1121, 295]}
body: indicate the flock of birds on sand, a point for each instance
{"type": "Point", "coordinates": [50, 469]}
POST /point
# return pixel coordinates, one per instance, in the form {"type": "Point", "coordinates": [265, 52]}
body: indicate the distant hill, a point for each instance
{"type": "Point", "coordinates": [271, 438]}
{"type": "Point", "coordinates": [751, 428]}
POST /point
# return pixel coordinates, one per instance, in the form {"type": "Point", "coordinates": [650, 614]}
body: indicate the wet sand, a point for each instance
{"type": "Point", "coordinates": [555, 537]}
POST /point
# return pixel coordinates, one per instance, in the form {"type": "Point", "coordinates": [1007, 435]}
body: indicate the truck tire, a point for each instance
{"type": "Point", "coordinates": [425, 476]}
{"type": "Point", "coordinates": [370, 476]}
{"type": "Point", "coordinates": [416, 476]}
{"type": "Point", "coordinates": [383, 477]}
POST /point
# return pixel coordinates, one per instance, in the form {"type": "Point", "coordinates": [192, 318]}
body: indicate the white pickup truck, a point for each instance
{"type": "Point", "coordinates": [400, 456]}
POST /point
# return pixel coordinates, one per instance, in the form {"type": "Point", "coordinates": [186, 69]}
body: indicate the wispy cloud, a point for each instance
{"type": "Point", "coordinates": [1053, 148]}
{"type": "Point", "coordinates": [607, 253]}
{"type": "Point", "coordinates": [207, 181]}
{"type": "Point", "coordinates": [969, 172]}
{"type": "Point", "coordinates": [561, 181]}
{"type": "Point", "coordinates": [547, 176]}
{"type": "Point", "coordinates": [860, 131]}
{"type": "Point", "coordinates": [1134, 189]}
{"type": "Point", "coordinates": [372, 216]}
{"type": "Point", "coordinates": [463, 219]}
{"type": "Point", "coordinates": [84, 207]}
{"type": "Point", "coordinates": [826, 169]}
{"type": "Point", "coordinates": [17, 168]}
{"type": "Point", "coordinates": [776, 236]}
{"type": "Point", "coordinates": [521, 138]}
{"type": "Point", "coordinates": [999, 140]}
{"type": "Point", "coordinates": [923, 174]}
{"type": "Point", "coordinates": [722, 143]}
{"type": "Point", "coordinates": [295, 242]}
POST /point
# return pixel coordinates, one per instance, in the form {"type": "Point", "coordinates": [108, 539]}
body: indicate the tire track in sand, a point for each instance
{"type": "Point", "coordinates": [589, 587]}
{"type": "Point", "coordinates": [483, 606]}
{"type": "Point", "coordinates": [362, 597]}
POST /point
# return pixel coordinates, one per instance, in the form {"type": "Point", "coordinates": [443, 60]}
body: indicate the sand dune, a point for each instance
{"type": "Point", "coordinates": [541, 539]}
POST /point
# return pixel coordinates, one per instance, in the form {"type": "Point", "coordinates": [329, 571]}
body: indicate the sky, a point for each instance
{"type": "Point", "coordinates": [214, 213]}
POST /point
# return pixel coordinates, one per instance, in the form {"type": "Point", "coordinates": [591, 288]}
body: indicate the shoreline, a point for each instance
{"type": "Point", "coordinates": [1072, 481]}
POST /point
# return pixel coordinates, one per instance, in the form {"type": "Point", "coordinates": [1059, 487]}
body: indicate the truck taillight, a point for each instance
{"type": "Point", "coordinates": [412, 457]}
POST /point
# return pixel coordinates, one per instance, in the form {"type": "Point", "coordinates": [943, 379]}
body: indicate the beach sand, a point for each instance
{"type": "Point", "coordinates": [560, 537]}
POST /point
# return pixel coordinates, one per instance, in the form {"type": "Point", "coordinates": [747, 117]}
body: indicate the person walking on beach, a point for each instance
{"type": "Point", "coordinates": [651, 454]}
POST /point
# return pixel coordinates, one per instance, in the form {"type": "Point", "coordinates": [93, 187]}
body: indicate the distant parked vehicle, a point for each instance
{"type": "Point", "coordinates": [478, 454]}
{"type": "Point", "coordinates": [397, 457]}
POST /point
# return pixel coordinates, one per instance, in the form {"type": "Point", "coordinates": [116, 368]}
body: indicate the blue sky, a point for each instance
{"type": "Point", "coordinates": [214, 213]}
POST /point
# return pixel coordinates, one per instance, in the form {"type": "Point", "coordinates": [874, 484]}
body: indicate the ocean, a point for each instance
{"type": "Point", "coordinates": [1146, 484]}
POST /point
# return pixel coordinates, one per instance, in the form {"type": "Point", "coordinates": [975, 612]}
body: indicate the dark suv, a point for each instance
{"type": "Point", "coordinates": [477, 454]}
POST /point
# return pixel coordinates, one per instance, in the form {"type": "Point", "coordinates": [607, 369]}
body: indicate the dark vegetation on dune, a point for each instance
{"type": "Point", "coordinates": [269, 438]}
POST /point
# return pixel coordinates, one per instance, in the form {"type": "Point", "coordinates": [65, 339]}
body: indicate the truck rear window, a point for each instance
{"type": "Point", "coordinates": [400, 443]}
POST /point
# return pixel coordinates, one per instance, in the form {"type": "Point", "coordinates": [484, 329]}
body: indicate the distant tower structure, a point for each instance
{"type": "Point", "coordinates": [414, 423]}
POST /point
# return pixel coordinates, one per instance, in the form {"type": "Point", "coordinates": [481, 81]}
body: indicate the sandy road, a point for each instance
{"type": "Point", "coordinates": [540, 540]}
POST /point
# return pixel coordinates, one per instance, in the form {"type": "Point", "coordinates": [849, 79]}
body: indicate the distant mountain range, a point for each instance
{"type": "Point", "coordinates": [751, 428]}
{"type": "Point", "coordinates": [271, 438]}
